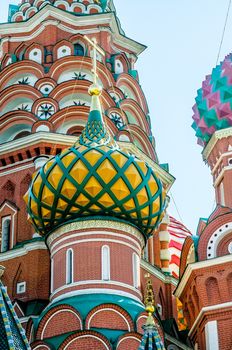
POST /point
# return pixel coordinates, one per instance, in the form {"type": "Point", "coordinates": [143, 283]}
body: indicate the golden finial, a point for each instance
{"type": "Point", "coordinates": [95, 89]}
{"type": "Point", "coordinates": [149, 300]}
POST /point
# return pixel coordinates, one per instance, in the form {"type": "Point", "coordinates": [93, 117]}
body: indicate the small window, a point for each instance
{"type": "Point", "coordinates": [230, 161]}
{"type": "Point", "coordinates": [69, 266]}
{"type": "Point", "coordinates": [79, 50]}
{"type": "Point", "coordinates": [5, 239]}
{"type": "Point", "coordinates": [136, 270]}
{"type": "Point", "coordinates": [63, 51]}
{"type": "Point", "coordinates": [21, 287]}
{"type": "Point", "coordinates": [159, 309]}
{"type": "Point", "coordinates": [105, 263]}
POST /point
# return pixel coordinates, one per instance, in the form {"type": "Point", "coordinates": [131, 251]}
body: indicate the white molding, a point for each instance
{"type": "Point", "coordinates": [92, 233]}
{"type": "Point", "coordinates": [96, 291]}
{"type": "Point", "coordinates": [218, 135]}
{"type": "Point", "coordinates": [14, 253]}
{"type": "Point", "coordinates": [35, 138]}
{"type": "Point", "coordinates": [211, 335]}
{"type": "Point", "coordinates": [91, 240]}
{"type": "Point", "coordinates": [96, 224]}
{"type": "Point", "coordinates": [207, 309]}
{"type": "Point", "coordinates": [62, 17]}
{"type": "Point", "coordinates": [16, 169]}
{"type": "Point", "coordinates": [199, 265]}
{"type": "Point", "coordinates": [86, 282]}
{"type": "Point", "coordinates": [155, 272]}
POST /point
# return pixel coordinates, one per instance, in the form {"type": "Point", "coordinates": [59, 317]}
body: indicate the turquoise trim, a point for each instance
{"type": "Point", "coordinates": [85, 303]}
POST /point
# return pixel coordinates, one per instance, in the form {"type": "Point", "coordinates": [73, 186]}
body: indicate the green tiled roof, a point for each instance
{"type": "Point", "coordinates": [12, 335]}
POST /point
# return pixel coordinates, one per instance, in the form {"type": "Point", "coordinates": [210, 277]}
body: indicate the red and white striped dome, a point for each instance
{"type": "Point", "coordinates": [178, 233]}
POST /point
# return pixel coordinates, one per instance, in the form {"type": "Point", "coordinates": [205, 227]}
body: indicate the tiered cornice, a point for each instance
{"type": "Point", "coordinates": [27, 9]}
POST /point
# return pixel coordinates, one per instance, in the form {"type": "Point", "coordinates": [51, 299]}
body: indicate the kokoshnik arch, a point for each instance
{"type": "Point", "coordinates": [99, 263]}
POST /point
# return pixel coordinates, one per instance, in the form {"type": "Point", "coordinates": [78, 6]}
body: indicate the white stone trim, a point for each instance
{"type": "Point", "coordinates": [86, 282]}
{"type": "Point", "coordinates": [165, 254]}
{"type": "Point", "coordinates": [211, 335]}
{"type": "Point", "coordinates": [68, 18]}
{"type": "Point", "coordinates": [207, 309]}
{"type": "Point", "coordinates": [91, 240]}
{"type": "Point", "coordinates": [164, 236]}
{"type": "Point", "coordinates": [199, 265]}
{"type": "Point", "coordinates": [96, 224]}
{"type": "Point", "coordinates": [218, 135]}
{"type": "Point", "coordinates": [16, 169]}
{"type": "Point", "coordinates": [12, 254]}
{"type": "Point", "coordinates": [155, 272]}
{"type": "Point", "coordinates": [92, 233]}
{"type": "Point", "coordinates": [95, 291]}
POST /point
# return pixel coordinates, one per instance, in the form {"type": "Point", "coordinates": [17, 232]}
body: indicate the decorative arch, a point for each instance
{"type": "Point", "coordinates": [15, 122]}
{"type": "Point", "coordinates": [212, 290]}
{"type": "Point", "coordinates": [40, 345]}
{"type": "Point", "coordinates": [62, 49]}
{"type": "Point", "coordinates": [187, 254]}
{"type": "Point", "coordinates": [24, 99]}
{"type": "Point", "coordinates": [129, 341]}
{"type": "Point", "coordinates": [85, 341]}
{"type": "Point", "coordinates": [28, 67]}
{"type": "Point", "coordinates": [135, 114]}
{"type": "Point", "coordinates": [126, 81]}
{"type": "Point", "coordinates": [109, 316]}
{"type": "Point", "coordinates": [35, 52]}
{"type": "Point", "coordinates": [213, 234]}
{"type": "Point", "coordinates": [67, 63]}
{"type": "Point", "coordinates": [50, 325]}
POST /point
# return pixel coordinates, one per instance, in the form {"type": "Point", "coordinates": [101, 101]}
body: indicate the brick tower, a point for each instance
{"type": "Point", "coordinates": [76, 138]}
{"type": "Point", "coordinates": [205, 286]}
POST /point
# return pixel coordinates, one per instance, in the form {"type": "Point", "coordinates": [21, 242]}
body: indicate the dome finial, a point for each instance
{"type": "Point", "coordinates": [95, 132]}
{"type": "Point", "coordinates": [149, 300]}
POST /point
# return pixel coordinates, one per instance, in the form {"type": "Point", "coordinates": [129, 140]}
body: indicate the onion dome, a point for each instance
{"type": "Point", "coordinates": [178, 233]}
{"type": "Point", "coordinates": [213, 108]}
{"type": "Point", "coordinates": [95, 178]}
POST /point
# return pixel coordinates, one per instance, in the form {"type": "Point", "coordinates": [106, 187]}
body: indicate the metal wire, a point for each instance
{"type": "Point", "coordinates": [224, 30]}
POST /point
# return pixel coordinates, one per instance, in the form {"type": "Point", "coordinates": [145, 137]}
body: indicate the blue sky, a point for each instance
{"type": "Point", "coordinates": [183, 38]}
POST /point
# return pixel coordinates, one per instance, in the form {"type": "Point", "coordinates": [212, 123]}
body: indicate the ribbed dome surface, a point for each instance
{"type": "Point", "coordinates": [95, 178]}
{"type": "Point", "coordinates": [102, 180]}
{"type": "Point", "coordinates": [213, 108]}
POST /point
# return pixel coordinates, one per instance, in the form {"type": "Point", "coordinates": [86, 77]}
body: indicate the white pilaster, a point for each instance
{"type": "Point", "coordinates": [211, 336]}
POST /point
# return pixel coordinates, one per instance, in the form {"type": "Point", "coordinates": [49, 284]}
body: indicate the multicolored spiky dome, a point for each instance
{"type": "Point", "coordinates": [95, 178]}
{"type": "Point", "coordinates": [213, 108]}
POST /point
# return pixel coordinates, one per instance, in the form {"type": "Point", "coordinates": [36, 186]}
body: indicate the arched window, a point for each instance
{"type": "Point", "coordinates": [79, 50]}
{"type": "Point", "coordinates": [5, 239]}
{"type": "Point", "coordinates": [136, 270]}
{"type": "Point", "coordinates": [105, 263]}
{"type": "Point", "coordinates": [69, 266]}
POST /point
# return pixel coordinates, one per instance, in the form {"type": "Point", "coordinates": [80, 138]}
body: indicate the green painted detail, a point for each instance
{"type": "Point", "coordinates": [95, 130]}
{"type": "Point", "coordinates": [85, 303]}
{"type": "Point", "coordinates": [59, 216]}
{"type": "Point", "coordinates": [11, 11]}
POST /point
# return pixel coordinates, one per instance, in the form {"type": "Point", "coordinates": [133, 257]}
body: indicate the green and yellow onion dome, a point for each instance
{"type": "Point", "coordinates": [95, 178]}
